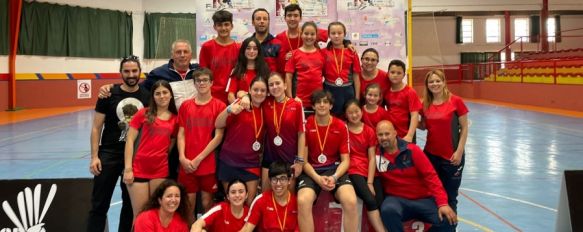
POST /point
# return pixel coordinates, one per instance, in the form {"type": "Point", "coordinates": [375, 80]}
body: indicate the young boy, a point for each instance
{"type": "Point", "coordinates": [197, 142]}
{"type": "Point", "coordinates": [220, 54]}
{"type": "Point", "coordinates": [328, 161]}
{"type": "Point", "coordinates": [402, 102]}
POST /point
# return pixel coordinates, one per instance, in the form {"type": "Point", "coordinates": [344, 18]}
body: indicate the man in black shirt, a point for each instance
{"type": "Point", "coordinates": [110, 124]}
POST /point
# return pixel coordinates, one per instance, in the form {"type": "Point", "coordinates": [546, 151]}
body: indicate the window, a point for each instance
{"type": "Point", "coordinates": [467, 30]}
{"type": "Point", "coordinates": [493, 31]}
{"type": "Point", "coordinates": [521, 29]}
{"type": "Point", "coordinates": [551, 28]}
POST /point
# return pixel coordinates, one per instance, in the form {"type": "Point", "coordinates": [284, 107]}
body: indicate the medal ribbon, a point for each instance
{"type": "Point", "coordinates": [322, 145]}
{"type": "Point", "coordinates": [289, 41]}
{"type": "Point", "coordinates": [276, 121]}
{"type": "Point", "coordinates": [338, 67]}
{"type": "Point", "coordinates": [281, 225]}
{"type": "Point", "coordinates": [257, 132]}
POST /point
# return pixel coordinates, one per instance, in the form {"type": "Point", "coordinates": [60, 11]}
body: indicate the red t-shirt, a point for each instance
{"type": "Point", "coordinates": [443, 127]}
{"type": "Point", "coordinates": [151, 158]}
{"type": "Point", "coordinates": [267, 216]}
{"type": "Point", "coordinates": [372, 119]}
{"type": "Point", "coordinates": [149, 221]}
{"type": "Point", "coordinates": [335, 144]}
{"type": "Point", "coordinates": [198, 122]}
{"type": "Point", "coordinates": [291, 122]}
{"type": "Point", "coordinates": [220, 218]}
{"type": "Point", "coordinates": [346, 60]}
{"type": "Point", "coordinates": [309, 67]}
{"type": "Point", "coordinates": [288, 45]}
{"type": "Point", "coordinates": [381, 78]}
{"type": "Point", "coordinates": [414, 181]}
{"type": "Point", "coordinates": [400, 104]}
{"type": "Point", "coordinates": [359, 145]}
{"type": "Point", "coordinates": [220, 59]}
{"type": "Point", "coordinates": [237, 149]}
{"type": "Point", "coordinates": [235, 84]}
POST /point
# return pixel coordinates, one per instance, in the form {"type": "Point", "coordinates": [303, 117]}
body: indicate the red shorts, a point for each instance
{"type": "Point", "coordinates": [193, 183]}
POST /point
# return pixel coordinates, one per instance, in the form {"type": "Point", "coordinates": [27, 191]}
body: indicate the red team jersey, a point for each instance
{"type": "Point", "coordinates": [198, 122]}
{"type": "Point", "coordinates": [359, 144]}
{"type": "Point", "coordinates": [292, 123]}
{"type": "Point", "coordinates": [266, 214]}
{"type": "Point", "coordinates": [219, 218]}
{"type": "Point", "coordinates": [400, 105]}
{"type": "Point", "coordinates": [443, 126]}
{"type": "Point", "coordinates": [372, 119]}
{"type": "Point", "coordinates": [337, 143]}
{"type": "Point", "coordinates": [381, 78]}
{"type": "Point", "coordinates": [220, 60]}
{"type": "Point", "coordinates": [346, 59]}
{"type": "Point", "coordinates": [151, 158]}
{"type": "Point", "coordinates": [288, 45]}
{"type": "Point", "coordinates": [235, 84]}
{"type": "Point", "coordinates": [237, 149]}
{"type": "Point", "coordinates": [309, 67]}
{"type": "Point", "coordinates": [150, 221]}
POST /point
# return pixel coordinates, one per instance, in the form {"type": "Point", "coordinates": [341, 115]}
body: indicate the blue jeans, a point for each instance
{"type": "Point", "coordinates": [396, 210]}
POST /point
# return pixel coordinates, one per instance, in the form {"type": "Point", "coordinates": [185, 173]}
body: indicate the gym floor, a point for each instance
{"type": "Point", "coordinates": [514, 164]}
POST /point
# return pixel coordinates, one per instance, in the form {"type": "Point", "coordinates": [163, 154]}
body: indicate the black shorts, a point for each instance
{"type": "Point", "coordinates": [305, 181]}
{"type": "Point", "coordinates": [141, 180]}
{"type": "Point", "coordinates": [228, 173]}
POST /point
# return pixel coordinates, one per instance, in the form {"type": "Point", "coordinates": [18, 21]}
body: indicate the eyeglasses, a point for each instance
{"type": "Point", "coordinates": [130, 57]}
{"type": "Point", "coordinates": [202, 81]}
{"type": "Point", "coordinates": [281, 179]}
{"type": "Point", "coordinates": [369, 59]}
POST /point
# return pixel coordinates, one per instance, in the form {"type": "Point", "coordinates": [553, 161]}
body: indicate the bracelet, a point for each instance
{"type": "Point", "coordinates": [229, 111]}
{"type": "Point", "coordinates": [335, 178]}
{"type": "Point", "coordinates": [299, 159]}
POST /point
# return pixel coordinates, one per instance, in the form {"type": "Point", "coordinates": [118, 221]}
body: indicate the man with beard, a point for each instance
{"type": "Point", "coordinates": [411, 186]}
{"type": "Point", "coordinates": [269, 44]}
{"type": "Point", "coordinates": [108, 143]}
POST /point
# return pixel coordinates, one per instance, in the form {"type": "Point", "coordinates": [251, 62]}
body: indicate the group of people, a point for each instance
{"type": "Point", "coordinates": [272, 122]}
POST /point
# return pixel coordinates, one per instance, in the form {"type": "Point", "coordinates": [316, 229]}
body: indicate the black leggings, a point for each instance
{"type": "Point", "coordinates": [372, 202]}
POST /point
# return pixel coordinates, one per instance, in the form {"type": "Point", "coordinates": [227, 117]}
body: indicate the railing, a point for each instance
{"type": "Point", "coordinates": [558, 71]}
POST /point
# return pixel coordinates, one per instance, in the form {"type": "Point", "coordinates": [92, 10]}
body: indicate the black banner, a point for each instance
{"type": "Point", "coordinates": [45, 205]}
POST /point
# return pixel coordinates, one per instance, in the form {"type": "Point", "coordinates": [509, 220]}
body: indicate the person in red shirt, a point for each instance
{"type": "Point", "coordinates": [220, 54]}
{"type": "Point", "coordinates": [166, 210]}
{"type": "Point", "coordinates": [285, 131]}
{"type": "Point", "coordinates": [411, 186]}
{"type": "Point", "coordinates": [148, 167]}
{"type": "Point", "coordinates": [328, 151]}
{"type": "Point", "coordinates": [244, 139]}
{"type": "Point", "coordinates": [362, 163]}
{"type": "Point", "coordinates": [341, 69]}
{"type": "Point", "coordinates": [275, 209]}
{"type": "Point", "coordinates": [226, 216]}
{"type": "Point", "coordinates": [250, 63]}
{"type": "Point", "coordinates": [371, 74]}
{"type": "Point", "coordinates": [307, 63]}
{"type": "Point", "coordinates": [402, 102]}
{"type": "Point", "coordinates": [445, 116]}
{"type": "Point", "coordinates": [197, 140]}
{"type": "Point", "coordinates": [372, 112]}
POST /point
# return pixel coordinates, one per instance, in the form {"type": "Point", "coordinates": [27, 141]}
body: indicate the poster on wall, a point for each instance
{"type": "Point", "coordinates": [241, 10]}
{"type": "Point", "coordinates": [379, 24]}
{"type": "Point", "coordinates": [83, 89]}
{"type": "Point", "coordinates": [321, 12]}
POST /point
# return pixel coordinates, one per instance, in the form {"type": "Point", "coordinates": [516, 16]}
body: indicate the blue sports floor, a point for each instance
{"type": "Point", "coordinates": [511, 182]}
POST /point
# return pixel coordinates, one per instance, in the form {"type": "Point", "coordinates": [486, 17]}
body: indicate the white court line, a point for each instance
{"type": "Point", "coordinates": [510, 198]}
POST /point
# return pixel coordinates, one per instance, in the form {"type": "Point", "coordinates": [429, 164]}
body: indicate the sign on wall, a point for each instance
{"type": "Point", "coordinates": [83, 89]}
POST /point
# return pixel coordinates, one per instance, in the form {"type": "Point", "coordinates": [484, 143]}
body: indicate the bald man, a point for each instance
{"type": "Point", "coordinates": [411, 186]}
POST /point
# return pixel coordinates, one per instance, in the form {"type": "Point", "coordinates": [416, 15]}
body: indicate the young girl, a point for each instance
{"type": "Point", "coordinates": [285, 132]}
{"type": "Point", "coordinates": [250, 63]}
{"type": "Point", "coordinates": [226, 216]}
{"type": "Point", "coordinates": [402, 102]}
{"type": "Point", "coordinates": [341, 70]}
{"type": "Point", "coordinates": [372, 113]}
{"type": "Point", "coordinates": [244, 136]}
{"type": "Point", "coordinates": [371, 74]}
{"type": "Point", "coordinates": [445, 116]}
{"type": "Point", "coordinates": [307, 63]}
{"type": "Point", "coordinates": [362, 164]}
{"type": "Point", "coordinates": [145, 170]}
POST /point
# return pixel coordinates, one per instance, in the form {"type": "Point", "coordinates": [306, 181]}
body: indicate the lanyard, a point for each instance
{"type": "Point", "coordinates": [322, 145]}
{"type": "Point", "coordinates": [277, 121]}
{"type": "Point", "coordinates": [338, 67]}
{"type": "Point", "coordinates": [281, 225]}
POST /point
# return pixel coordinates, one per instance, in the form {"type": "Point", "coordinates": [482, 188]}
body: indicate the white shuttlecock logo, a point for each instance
{"type": "Point", "coordinates": [31, 218]}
